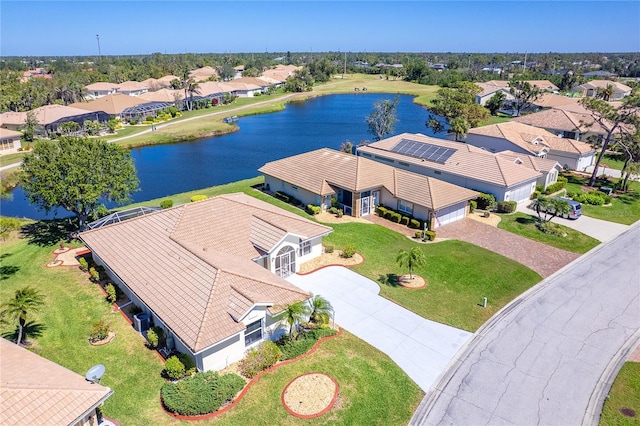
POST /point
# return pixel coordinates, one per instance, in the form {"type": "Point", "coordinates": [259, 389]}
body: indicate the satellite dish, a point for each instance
{"type": "Point", "coordinates": [95, 373]}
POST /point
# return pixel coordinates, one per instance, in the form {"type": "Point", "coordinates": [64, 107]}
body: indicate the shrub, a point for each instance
{"type": "Point", "coordinates": [133, 122]}
{"type": "Point", "coordinates": [166, 204]}
{"type": "Point", "coordinates": [84, 265]}
{"type": "Point", "coordinates": [555, 187]}
{"type": "Point", "coordinates": [259, 359]}
{"type": "Point", "coordinates": [282, 196]}
{"type": "Point", "coordinates": [551, 229]}
{"type": "Point", "coordinates": [415, 224]}
{"type": "Point", "coordinates": [111, 293]}
{"type": "Point", "coordinates": [473, 205]}
{"type": "Point", "coordinates": [562, 179]}
{"type": "Point", "coordinates": [186, 360]}
{"type": "Point", "coordinates": [333, 210]}
{"type": "Point", "coordinates": [100, 331]}
{"type": "Point", "coordinates": [201, 393]}
{"type": "Point", "coordinates": [418, 235]}
{"type": "Point", "coordinates": [305, 341]}
{"type": "Point", "coordinates": [381, 211]}
{"type": "Point", "coordinates": [153, 338]}
{"type": "Point", "coordinates": [313, 210]}
{"type": "Point", "coordinates": [328, 249]}
{"type": "Point", "coordinates": [507, 206]}
{"type": "Point", "coordinates": [486, 201]}
{"type": "Point", "coordinates": [430, 235]}
{"type": "Point", "coordinates": [535, 195]}
{"type": "Point", "coordinates": [540, 188]}
{"type": "Point", "coordinates": [95, 275]}
{"type": "Point", "coordinates": [199, 197]}
{"type": "Point", "coordinates": [404, 220]}
{"type": "Point", "coordinates": [396, 217]}
{"type": "Point", "coordinates": [174, 368]}
{"type": "Point", "coordinates": [348, 252]}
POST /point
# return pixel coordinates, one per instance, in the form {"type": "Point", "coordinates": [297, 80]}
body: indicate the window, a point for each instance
{"type": "Point", "coordinates": [305, 248]}
{"type": "Point", "coordinates": [437, 172]}
{"type": "Point", "coordinates": [253, 333]}
{"type": "Point", "coordinates": [364, 154]}
{"type": "Point", "coordinates": [405, 207]}
{"type": "Point", "coordinates": [402, 163]}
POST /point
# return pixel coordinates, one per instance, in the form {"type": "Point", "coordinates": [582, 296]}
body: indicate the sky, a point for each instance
{"type": "Point", "coordinates": [56, 28]}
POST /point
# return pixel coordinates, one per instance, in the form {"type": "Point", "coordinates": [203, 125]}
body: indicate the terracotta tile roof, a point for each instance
{"type": "Point", "coordinates": [210, 87]}
{"type": "Point", "coordinates": [256, 81]}
{"type": "Point", "coordinates": [536, 163]}
{"type": "Point", "coordinates": [281, 72]}
{"type": "Point", "coordinates": [101, 86]}
{"type": "Point", "coordinates": [467, 160]}
{"type": "Point", "coordinates": [9, 134]}
{"type": "Point", "coordinates": [36, 391]}
{"type": "Point", "coordinates": [530, 138]}
{"type": "Point", "coordinates": [242, 86]}
{"type": "Point", "coordinates": [111, 104]}
{"type": "Point", "coordinates": [46, 114]}
{"type": "Point", "coordinates": [162, 95]}
{"type": "Point", "coordinates": [550, 100]}
{"type": "Point", "coordinates": [131, 86]}
{"type": "Point", "coordinates": [542, 84]}
{"type": "Point", "coordinates": [602, 84]}
{"type": "Point", "coordinates": [192, 264]}
{"type": "Point", "coordinates": [561, 118]}
{"type": "Point", "coordinates": [204, 71]}
{"type": "Point", "coordinates": [167, 79]}
{"type": "Point", "coordinates": [324, 170]}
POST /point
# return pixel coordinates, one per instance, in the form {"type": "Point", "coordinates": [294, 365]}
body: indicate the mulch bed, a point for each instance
{"type": "Point", "coordinates": [414, 283]}
{"type": "Point", "coordinates": [310, 395]}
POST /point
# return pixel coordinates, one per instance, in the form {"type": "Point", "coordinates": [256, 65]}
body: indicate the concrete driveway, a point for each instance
{"type": "Point", "coordinates": [601, 230]}
{"type": "Point", "coordinates": [422, 348]}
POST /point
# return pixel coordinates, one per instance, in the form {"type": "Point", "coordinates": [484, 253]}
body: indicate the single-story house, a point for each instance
{"type": "Point", "coordinates": [458, 163]}
{"type": "Point", "coordinates": [244, 90]}
{"type": "Point", "coordinates": [132, 88]}
{"type": "Point", "coordinates": [111, 104]}
{"type": "Point", "coordinates": [359, 185]}
{"type": "Point", "coordinates": [552, 100]}
{"type": "Point", "coordinates": [9, 141]}
{"type": "Point", "coordinates": [204, 74]}
{"type": "Point", "coordinates": [36, 391]}
{"type": "Point", "coordinates": [163, 95]}
{"type": "Point", "coordinates": [50, 116]}
{"type": "Point", "coordinates": [211, 273]}
{"type": "Point", "coordinates": [549, 169]}
{"type": "Point", "coordinates": [490, 88]}
{"type": "Point", "coordinates": [281, 72]}
{"type": "Point", "coordinates": [525, 139]}
{"type": "Point", "coordinates": [592, 88]}
{"type": "Point", "coordinates": [100, 89]}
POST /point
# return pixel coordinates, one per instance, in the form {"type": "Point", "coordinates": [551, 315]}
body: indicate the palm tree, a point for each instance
{"type": "Point", "coordinates": [320, 310]}
{"type": "Point", "coordinates": [607, 92]}
{"type": "Point", "coordinates": [25, 301]}
{"type": "Point", "coordinates": [412, 258]}
{"type": "Point", "coordinates": [294, 314]}
{"type": "Point", "coordinates": [190, 87]}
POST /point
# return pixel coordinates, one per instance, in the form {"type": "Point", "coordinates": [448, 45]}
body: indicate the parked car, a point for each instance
{"type": "Point", "coordinates": [576, 208]}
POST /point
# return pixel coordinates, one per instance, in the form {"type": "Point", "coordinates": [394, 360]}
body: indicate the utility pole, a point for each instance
{"type": "Point", "coordinates": [524, 66]}
{"type": "Point", "coordinates": [344, 70]}
{"type": "Point", "coordinates": [99, 52]}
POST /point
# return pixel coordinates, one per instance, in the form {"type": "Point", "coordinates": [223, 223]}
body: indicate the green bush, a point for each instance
{"type": "Point", "coordinates": [328, 249]}
{"type": "Point", "coordinates": [348, 252]}
{"type": "Point", "coordinates": [430, 235]}
{"type": "Point", "coordinates": [313, 210]}
{"type": "Point", "coordinates": [198, 198]}
{"type": "Point", "coordinates": [507, 206]}
{"type": "Point", "coordinates": [95, 275]}
{"type": "Point", "coordinates": [100, 331]}
{"type": "Point", "coordinates": [84, 265]}
{"type": "Point", "coordinates": [166, 204]}
{"type": "Point", "coordinates": [555, 187]}
{"type": "Point", "coordinates": [388, 214]}
{"type": "Point", "coordinates": [186, 360]}
{"type": "Point", "coordinates": [153, 338]}
{"type": "Point", "coordinates": [396, 217]}
{"type": "Point", "coordinates": [303, 343]}
{"type": "Point", "coordinates": [201, 393]}
{"type": "Point", "coordinates": [133, 122]}
{"type": "Point", "coordinates": [282, 196]}
{"type": "Point", "coordinates": [540, 188]}
{"type": "Point", "coordinates": [174, 368]}
{"type": "Point", "coordinates": [418, 235]}
{"type": "Point", "coordinates": [473, 205]}
{"type": "Point", "coordinates": [562, 179]}
{"type": "Point", "coordinates": [486, 201]}
{"type": "Point", "coordinates": [404, 220]}
{"type": "Point", "coordinates": [259, 359]}
{"type": "Point", "coordinates": [111, 293]}
{"type": "Point", "coordinates": [381, 211]}
{"type": "Point", "coordinates": [333, 210]}
{"type": "Point", "coordinates": [415, 224]}
{"type": "Point", "coordinates": [535, 195]}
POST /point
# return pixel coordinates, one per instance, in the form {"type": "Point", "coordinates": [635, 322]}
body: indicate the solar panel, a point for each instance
{"type": "Point", "coordinates": [425, 151]}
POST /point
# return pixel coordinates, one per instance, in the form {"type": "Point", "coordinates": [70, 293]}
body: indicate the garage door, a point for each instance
{"type": "Point", "coordinates": [521, 193]}
{"type": "Point", "coordinates": [451, 214]}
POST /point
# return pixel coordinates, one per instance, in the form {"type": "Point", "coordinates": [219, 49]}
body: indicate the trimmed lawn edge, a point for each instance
{"type": "Point", "coordinates": [251, 383]}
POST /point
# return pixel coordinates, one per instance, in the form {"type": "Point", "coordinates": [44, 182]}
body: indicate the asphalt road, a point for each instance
{"type": "Point", "coordinates": [549, 357]}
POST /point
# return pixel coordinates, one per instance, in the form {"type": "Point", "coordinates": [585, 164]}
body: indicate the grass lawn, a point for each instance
{"type": "Point", "coordinates": [459, 274]}
{"type": "Point", "coordinates": [15, 157]}
{"type": "Point", "coordinates": [524, 224]}
{"type": "Point", "coordinates": [624, 208]}
{"type": "Point", "coordinates": [495, 119]}
{"type": "Point", "coordinates": [613, 161]}
{"type": "Point", "coordinates": [625, 393]}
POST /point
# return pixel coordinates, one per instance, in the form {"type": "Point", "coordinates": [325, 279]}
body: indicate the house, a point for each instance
{"type": "Point", "coordinates": [457, 163]}
{"type": "Point", "coordinates": [204, 74]}
{"type": "Point", "coordinates": [280, 73]}
{"type": "Point", "coordinates": [111, 104]}
{"type": "Point", "coordinates": [552, 100]}
{"type": "Point", "coordinates": [132, 88]}
{"type": "Point", "coordinates": [491, 87]}
{"type": "Point", "coordinates": [244, 90]}
{"type": "Point", "coordinates": [100, 89]}
{"type": "Point", "coordinates": [359, 185]}
{"type": "Point", "coordinates": [36, 391]}
{"type": "Point", "coordinates": [211, 273]}
{"type": "Point", "coordinates": [532, 141]}
{"type": "Point", "coordinates": [49, 117]}
{"type": "Point", "coordinates": [593, 88]}
{"type": "Point", "coordinates": [163, 95]}
{"type": "Point", "coordinates": [548, 169]}
{"type": "Point", "coordinates": [9, 141]}
{"type": "Point", "coordinates": [599, 74]}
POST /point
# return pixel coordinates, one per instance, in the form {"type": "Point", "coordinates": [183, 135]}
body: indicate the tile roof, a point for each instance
{"type": "Point", "coordinates": [242, 86]}
{"type": "Point", "coordinates": [550, 100]}
{"type": "Point", "coordinates": [536, 163]}
{"type": "Point", "coordinates": [36, 391]}
{"type": "Point", "coordinates": [530, 138]}
{"type": "Point", "coordinates": [561, 118]}
{"type": "Point", "coordinates": [46, 114]}
{"type": "Point", "coordinates": [162, 95]}
{"type": "Point", "coordinates": [101, 86]}
{"type": "Point", "coordinates": [323, 170]}
{"type": "Point", "coordinates": [192, 265]}
{"type": "Point", "coordinates": [467, 160]}
{"type": "Point", "coordinates": [602, 84]}
{"type": "Point", "coordinates": [131, 86]}
{"type": "Point", "coordinates": [9, 134]}
{"type": "Point", "coordinates": [210, 87]}
{"type": "Point", "coordinates": [167, 79]}
{"type": "Point", "coordinates": [257, 81]}
{"type": "Point", "coordinates": [542, 84]}
{"type": "Point", "coordinates": [111, 104]}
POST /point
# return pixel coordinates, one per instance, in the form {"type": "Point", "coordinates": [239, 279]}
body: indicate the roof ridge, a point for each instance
{"type": "Point", "coordinates": [208, 308]}
{"type": "Point", "coordinates": [261, 281]}
{"type": "Point", "coordinates": [499, 164]}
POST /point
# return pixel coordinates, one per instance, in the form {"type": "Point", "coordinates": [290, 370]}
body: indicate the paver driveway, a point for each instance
{"type": "Point", "coordinates": [542, 258]}
{"type": "Point", "coordinates": [422, 348]}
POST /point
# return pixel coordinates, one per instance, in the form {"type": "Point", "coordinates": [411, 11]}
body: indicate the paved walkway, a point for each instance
{"type": "Point", "coordinates": [422, 348]}
{"type": "Point", "coordinates": [543, 259]}
{"type": "Point", "coordinates": [550, 356]}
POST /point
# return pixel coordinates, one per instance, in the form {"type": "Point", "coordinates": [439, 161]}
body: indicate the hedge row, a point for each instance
{"type": "Point", "coordinates": [291, 348]}
{"type": "Point", "coordinates": [397, 217]}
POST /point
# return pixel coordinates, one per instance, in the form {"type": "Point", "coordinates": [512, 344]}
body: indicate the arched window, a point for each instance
{"type": "Point", "coordinates": [286, 262]}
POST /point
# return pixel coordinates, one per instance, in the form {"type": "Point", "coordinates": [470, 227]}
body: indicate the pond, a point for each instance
{"type": "Point", "coordinates": [325, 121]}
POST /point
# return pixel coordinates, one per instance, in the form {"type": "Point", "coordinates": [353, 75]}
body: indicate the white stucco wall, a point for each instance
{"type": "Point", "coordinates": [574, 161]}
{"type": "Point", "coordinates": [222, 354]}
{"type": "Point", "coordinates": [294, 242]}
{"type": "Point", "coordinates": [306, 197]}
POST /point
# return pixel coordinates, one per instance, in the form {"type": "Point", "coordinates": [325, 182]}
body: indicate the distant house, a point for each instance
{"type": "Point", "coordinates": [163, 95]}
{"type": "Point", "coordinates": [36, 391]}
{"type": "Point", "coordinates": [204, 74]}
{"type": "Point", "coordinates": [9, 141]}
{"type": "Point", "coordinates": [593, 88]}
{"type": "Point", "coordinates": [132, 88]}
{"type": "Point", "coordinates": [457, 163]}
{"type": "Point", "coordinates": [210, 272]}
{"type": "Point", "coordinates": [552, 100]}
{"type": "Point", "coordinates": [50, 117]}
{"type": "Point", "coordinates": [100, 89]}
{"type": "Point", "coordinates": [599, 74]}
{"type": "Point", "coordinates": [113, 104]}
{"type": "Point", "coordinates": [532, 141]}
{"type": "Point", "coordinates": [280, 73]}
{"type": "Point", "coordinates": [490, 88]}
{"type": "Point", "coordinates": [359, 184]}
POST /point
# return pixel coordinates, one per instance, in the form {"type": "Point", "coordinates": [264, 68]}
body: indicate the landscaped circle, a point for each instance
{"type": "Point", "coordinates": [310, 395]}
{"type": "Point", "coordinates": [413, 282]}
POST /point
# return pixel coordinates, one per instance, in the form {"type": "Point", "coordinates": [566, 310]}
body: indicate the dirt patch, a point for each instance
{"type": "Point", "coordinates": [310, 395]}
{"type": "Point", "coordinates": [326, 259]}
{"type": "Point", "coordinates": [414, 282]}
{"type": "Point", "coordinates": [492, 220]}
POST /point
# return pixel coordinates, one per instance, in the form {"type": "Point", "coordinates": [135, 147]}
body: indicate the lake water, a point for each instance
{"type": "Point", "coordinates": [325, 121]}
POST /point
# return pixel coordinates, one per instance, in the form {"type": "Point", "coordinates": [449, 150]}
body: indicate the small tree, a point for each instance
{"type": "Point", "coordinates": [411, 259]}
{"type": "Point", "coordinates": [524, 93]}
{"type": "Point", "coordinates": [25, 301]}
{"type": "Point", "coordinates": [549, 207]}
{"type": "Point", "coordinates": [29, 127]}
{"type": "Point", "coordinates": [320, 310]}
{"type": "Point", "coordinates": [495, 103]}
{"type": "Point", "coordinates": [294, 314]}
{"type": "Point", "coordinates": [346, 147]}
{"type": "Point", "coordinates": [382, 119]}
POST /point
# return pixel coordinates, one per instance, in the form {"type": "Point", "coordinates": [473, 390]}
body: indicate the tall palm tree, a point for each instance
{"type": "Point", "coordinates": [26, 300]}
{"type": "Point", "coordinates": [607, 92]}
{"type": "Point", "coordinates": [191, 87]}
{"type": "Point", "coordinates": [294, 314]}
{"type": "Point", "coordinates": [411, 259]}
{"type": "Point", "coordinates": [320, 309]}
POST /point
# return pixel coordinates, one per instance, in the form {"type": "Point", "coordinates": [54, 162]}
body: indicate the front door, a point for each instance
{"type": "Point", "coordinates": [286, 262]}
{"type": "Point", "coordinates": [364, 206]}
